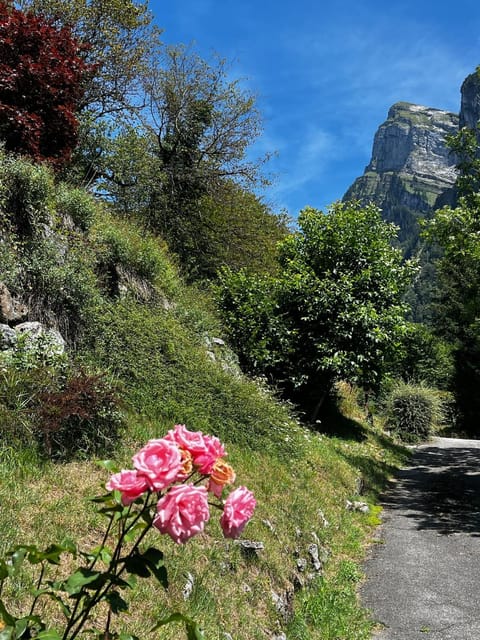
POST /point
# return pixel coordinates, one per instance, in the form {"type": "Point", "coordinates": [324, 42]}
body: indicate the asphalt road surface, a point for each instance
{"type": "Point", "coordinates": [423, 573]}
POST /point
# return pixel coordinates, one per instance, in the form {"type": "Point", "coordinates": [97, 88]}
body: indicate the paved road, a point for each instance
{"type": "Point", "coordinates": [423, 576]}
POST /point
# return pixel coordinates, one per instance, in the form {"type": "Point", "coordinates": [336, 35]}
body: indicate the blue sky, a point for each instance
{"type": "Point", "coordinates": [326, 73]}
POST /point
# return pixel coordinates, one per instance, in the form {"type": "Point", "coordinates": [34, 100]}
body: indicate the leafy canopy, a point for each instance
{"type": "Point", "coordinates": [335, 311]}
{"type": "Point", "coordinates": [41, 74]}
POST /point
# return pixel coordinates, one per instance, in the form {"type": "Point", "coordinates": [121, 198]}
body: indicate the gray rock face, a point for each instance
{"type": "Point", "coordinates": [412, 141]}
{"type": "Point", "coordinates": [11, 310]}
{"type": "Point", "coordinates": [411, 171]}
{"type": "Point", "coordinates": [40, 337]}
{"type": "Point", "coordinates": [470, 109]}
{"type": "Point", "coordinates": [8, 337]}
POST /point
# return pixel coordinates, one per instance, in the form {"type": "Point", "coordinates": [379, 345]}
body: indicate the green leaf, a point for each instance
{"type": "Point", "coordinates": [136, 564]}
{"type": "Point", "coordinates": [101, 552]}
{"type": "Point", "coordinates": [3, 570]}
{"type": "Point", "coordinates": [7, 633]}
{"type": "Point", "coordinates": [109, 465]}
{"type": "Point", "coordinates": [147, 563]}
{"type": "Point", "coordinates": [194, 632]}
{"type": "Point", "coordinates": [154, 559]}
{"type": "Point", "coordinates": [132, 533]}
{"type": "Point", "coordinates": [5, 616]}
{"type": "Point", "coordinates": [49, 634]}
{"type": "Point", "coordinates": [69, 546]}
{"type": "Point", "coordinates": [116, 602]}
{"type": "Point", "coordinates": [80, 579]}
{"type": "Point", "coordinates": [127, 636]}
{"type": "Point", "coordinates": [20, 627]}
{"type": "Point", "coordinates": [18, 556]}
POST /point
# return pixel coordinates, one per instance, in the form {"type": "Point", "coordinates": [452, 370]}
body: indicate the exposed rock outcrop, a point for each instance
{"type": "Point", "coordinates": [470, 105]}
{"type": "Point", "coordinates": [412, 171]}
{"type": "Point", "coordinates": [11, 310]}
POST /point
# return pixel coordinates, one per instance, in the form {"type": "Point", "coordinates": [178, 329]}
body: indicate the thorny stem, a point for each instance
{"type": "Point", "coordinates": [82, 617]}
{"type": "Point", "coordinates": [39, 582]}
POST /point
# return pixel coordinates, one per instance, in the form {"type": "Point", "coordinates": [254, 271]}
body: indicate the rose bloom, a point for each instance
{"type": "Point", "coordinates": [130, 483]}
{"type": "Point", "coordinates": [214, 450]}
{"type": "Point", "coordinates": [222, 474]}
{"type": "Point", "coordinates": [160, 462]}
{"type": "Point", "coordinates": [187, 464]}
{"type": "Point", "coordinates": [237, 511]}
{"type": "Point", "coordinates": [205, 450]}
{"type": "Point", "coordinates": [182, 512]}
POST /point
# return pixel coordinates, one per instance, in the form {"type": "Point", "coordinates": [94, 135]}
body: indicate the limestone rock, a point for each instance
{"type": "Point", "coordinates": [362, 507]}
{"type": "Point", "coordinates": [38, 336]}
{"type": "Point", "coordinates": [11, 310]}
{"type": "Point", "coordinates": [188, 588]}
{"type": "Point", "coordinates": [250, 547]}
{"type": "Point", "coordinates": [8, 337]}
{"type": "Point", "coordinates": [412, 171]}
{"type": "Point", "coordinates": [470, 103]}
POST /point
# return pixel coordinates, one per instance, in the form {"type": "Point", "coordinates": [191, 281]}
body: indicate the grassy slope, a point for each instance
{"type": "Point", "coordinates": [158, 352]}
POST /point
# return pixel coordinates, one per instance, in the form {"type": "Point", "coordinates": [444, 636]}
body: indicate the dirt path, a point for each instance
{"type": "Point", "coordinates": [423, 576]}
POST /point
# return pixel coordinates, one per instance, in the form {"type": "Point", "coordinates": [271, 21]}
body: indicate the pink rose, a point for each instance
{"type": "Point", "coordinates": [214, 449]}
{"type": "Point", "coordinates": [130, 483]}
{"type": "Point", "coordinates": [182, 512]}
{"type": "Point", "coordinates": [160, 462]}
{"type": "Point", "coordinates": [238, 509]}
{"type": "Point", "coordinates": [205, 450]}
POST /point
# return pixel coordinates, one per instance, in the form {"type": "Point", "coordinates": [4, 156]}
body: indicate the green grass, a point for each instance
{"type": "Point", "coordinates": [159, 349]}
{"type": "Point", "coordinates": [232, 593]}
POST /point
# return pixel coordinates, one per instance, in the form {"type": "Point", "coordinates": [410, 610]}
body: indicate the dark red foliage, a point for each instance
{"type": "Point", "coordinates": [41, 72]}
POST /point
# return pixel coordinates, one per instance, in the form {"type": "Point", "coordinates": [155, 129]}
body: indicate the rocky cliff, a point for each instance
{"type": "Point", "coordinates": [470, 105]}
{"type": "Point", "coordinates": [411, 171]}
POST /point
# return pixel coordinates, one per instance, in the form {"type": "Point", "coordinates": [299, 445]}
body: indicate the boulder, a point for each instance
{"type": "Point", "coordinates": [8, 337]}
{"type": "Point", "coordinates": [11, 311]}
{"type": "Point", "coordinates": [40, 337]}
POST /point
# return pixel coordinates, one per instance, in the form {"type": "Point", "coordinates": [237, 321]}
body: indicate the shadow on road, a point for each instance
{"type": "Point", "coordinates": [440, 491]}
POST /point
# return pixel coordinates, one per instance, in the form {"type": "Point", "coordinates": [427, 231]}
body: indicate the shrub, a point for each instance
{"type": "Point", "coordinates": [413, 412]}
{"type": "Point", "coordinates": [27, 194]}
{"type": "Point", "coordinates": [124, 249]}
{"type": "Point", "coordinates": [77, 204]}
{"type": "Point", "coordinates": [41, 74]}
{"type": "Point", "coordinates": [60, 283]}
{"type": "Point", "coordinates": [82, 417]}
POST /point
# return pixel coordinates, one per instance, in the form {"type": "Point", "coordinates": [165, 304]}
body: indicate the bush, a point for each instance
{"type": "Point", "coordinates": [67, 413]}
{"type": "Point", "coordinates": [60, 284]}
{"type": "Point", "coordinates": [76, 204]}
{"type": "Point", "coordinates": [82, 417]}
{"type": "Point", "coordinates": [413, 412]}
{"type": "Point", "coordinates": [126, 250]}
{"type": "Point", "coordinates": [26, 194]}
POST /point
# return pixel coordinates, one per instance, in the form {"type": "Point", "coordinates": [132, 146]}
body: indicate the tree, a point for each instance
{"type": "Point", "coordinates": [202, 125]}
{"type": "Point", "coordinates": [41, 73]}
{"type": "Point", "coordinates": [457, 310]}
{"type": "Point", "coordinates": [458, 307]}
{"type": "Point", "coordinates": [122, 40]}
{"type": "Point", "coordinates": [335, 308]}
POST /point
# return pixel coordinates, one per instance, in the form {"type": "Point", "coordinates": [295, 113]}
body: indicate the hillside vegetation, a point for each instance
{"type": "Point", "coordinates": [136, 331]}
{"type": "Point", "coordinates": [144, 284]}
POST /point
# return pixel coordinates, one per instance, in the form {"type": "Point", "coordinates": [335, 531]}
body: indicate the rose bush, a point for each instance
{"type": "Point", "coordinates": [168, 490]}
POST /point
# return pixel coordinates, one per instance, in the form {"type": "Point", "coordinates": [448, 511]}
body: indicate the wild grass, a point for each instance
{"type": "Point", "coordinates": [301, 501]}
{"type": "Point", "coordinates": [160, 349]}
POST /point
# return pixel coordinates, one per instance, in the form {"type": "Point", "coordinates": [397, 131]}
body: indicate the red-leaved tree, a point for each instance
{"type": "Point", "coordinates": [41, 72]}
